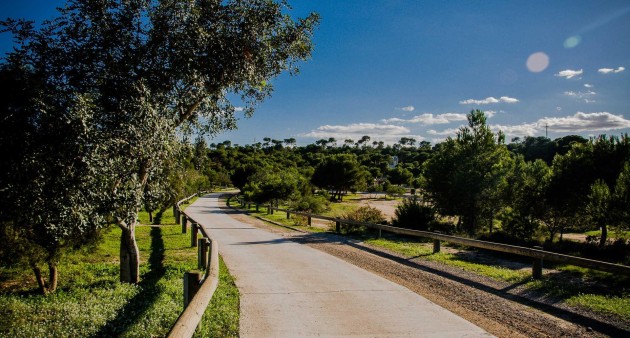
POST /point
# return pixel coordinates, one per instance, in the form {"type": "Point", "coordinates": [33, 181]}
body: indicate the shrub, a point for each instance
{"type": "Point", "coordinates": [411, 214]}
{"type": "Point", "coordinates": [365, 214]}
{"type": "Point", "coordinates": [312, 204]}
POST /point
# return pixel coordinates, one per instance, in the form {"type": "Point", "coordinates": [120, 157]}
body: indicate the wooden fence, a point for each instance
{"type": "Point", "coordinates": [537, 254]}
{"type": "Point", "coordinates": [198, 289]}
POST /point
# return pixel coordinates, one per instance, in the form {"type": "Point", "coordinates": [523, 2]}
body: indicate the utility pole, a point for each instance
{"type": "Point", "coordinates": [546, 125]}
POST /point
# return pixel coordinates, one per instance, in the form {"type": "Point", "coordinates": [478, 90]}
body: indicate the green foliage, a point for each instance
{"type": "Point", "coordinates": [412, 214]}
{"type": "Point", "coordinates": [310, 203]}
{"type": "Point", "coordinates": [466, 173]}
{"type": "Point", "coordinates": [365, 214]}
{"type": "Point", "coordinates": [339, 173]}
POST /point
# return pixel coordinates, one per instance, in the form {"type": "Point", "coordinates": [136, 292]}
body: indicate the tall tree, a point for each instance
{"type": "Point", "coordinates": [466, 170]}
{"type": "Point", "coordinates": [152, 69]}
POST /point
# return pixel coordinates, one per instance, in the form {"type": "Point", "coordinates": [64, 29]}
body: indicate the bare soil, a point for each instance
{"type": "Point", "coordinates": [502, 309]}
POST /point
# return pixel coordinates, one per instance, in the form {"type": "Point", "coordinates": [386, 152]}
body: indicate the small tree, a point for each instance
{"type": "Point", "coordinates": [339, 173]}
{"type": "Point", "coordinates": [598, 208]}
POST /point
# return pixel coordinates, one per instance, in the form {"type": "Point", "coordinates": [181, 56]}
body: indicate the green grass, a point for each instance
{"type": "Point", "coordinates": [612, 234]}
{"type": "Point", "coordinates": [91, 302]}
{"type": "Point", "coordinates": [413, 248]}
{"type": "Point", "coordinates": [603, 304]}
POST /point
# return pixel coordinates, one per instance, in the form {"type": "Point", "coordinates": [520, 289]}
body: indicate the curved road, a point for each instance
{"type": "Point", "coordinates": [291, 290]}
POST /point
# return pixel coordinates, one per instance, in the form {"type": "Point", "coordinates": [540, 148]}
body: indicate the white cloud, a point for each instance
{"type": "Point", "coordinates": [445, 132]}
{"type": "Point", "coordinates": [580, 122]}
{"type": "Point", "coordinates": [490, 113]}
{"type": "Point", "coordinates": [407, 108]}
{"type": "Point", "coordinates": [489, 100]}
{"type": "Point", "coordinates": [568, 73]}
{"type": "Point", "coordinates": [611, 70]}
{"type": "Point", "coordinates": [588, 85]}
{"type": "Point", "coordinates": [429, 119]}
{"type": "Point", "coordinates": [378, 132]}
{"type": "Point", "coordinates": [239, 109]}
{"type": "Point", "coordinates": [525, 129]}
{"type": "Point", "coordinates": [508, 99]}
{"type": "Point", "coordinates": [580, 95]}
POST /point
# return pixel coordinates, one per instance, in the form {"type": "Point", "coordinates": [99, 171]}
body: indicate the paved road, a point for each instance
{"type": "Point", "coordinates": [291, 290]}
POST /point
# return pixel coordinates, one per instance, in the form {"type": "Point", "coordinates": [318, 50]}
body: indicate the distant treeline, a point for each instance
{"type": "Point", "coordinates": [532, 188]}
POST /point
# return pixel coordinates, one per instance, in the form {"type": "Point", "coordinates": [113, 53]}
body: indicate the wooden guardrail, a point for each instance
{"type": "Point", "coordinates": [537, 254]}
{"type": "Point", "coordinates": [198, 290]}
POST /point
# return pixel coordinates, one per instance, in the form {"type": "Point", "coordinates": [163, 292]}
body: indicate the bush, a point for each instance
{"type": "Point", "coordinates": [393, 190]}
{"type": "Point", "coordinates": [311, 204]}
{"type": "Point", "coordinates": [411, 214]}
{"type": "Point", "coordinates": [365, 214]}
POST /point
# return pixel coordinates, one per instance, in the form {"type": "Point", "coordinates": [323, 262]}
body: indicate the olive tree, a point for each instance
{"type": "Point", "coordinates": [153, 70]}
{"type": "Point", "coordinates": [48, 180]}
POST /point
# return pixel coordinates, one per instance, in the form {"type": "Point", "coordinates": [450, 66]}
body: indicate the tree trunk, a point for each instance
{"type": "Point", "coordinates": [129, 255]}
{"type": "Point", "coordinates": [151, 217]}
{"type": "Point", "coordinates": [602, 240]}
{"type": "Point", "coordinates": [40, 279]}
{"type": "Point", "coordinates": [53, 276]}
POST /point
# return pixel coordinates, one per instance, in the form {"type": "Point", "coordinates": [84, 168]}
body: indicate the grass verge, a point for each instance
{"type": "Point", "coordinates": [90, 302]}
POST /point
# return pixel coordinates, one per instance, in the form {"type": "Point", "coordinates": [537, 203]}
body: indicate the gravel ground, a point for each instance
{"type": "Point", "coordinates": [503, 309]}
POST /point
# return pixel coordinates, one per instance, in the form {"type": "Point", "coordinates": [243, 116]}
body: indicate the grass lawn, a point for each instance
{"type": "Point", "coordinates": [612, 234]}
{"type": "Point", "coordinates": [91, 302]}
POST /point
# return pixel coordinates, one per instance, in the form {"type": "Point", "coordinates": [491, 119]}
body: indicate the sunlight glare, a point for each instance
{"type": "Point", "coordinates": [572, 41]}
{"type": "Point", "coordinates": [537, 62]}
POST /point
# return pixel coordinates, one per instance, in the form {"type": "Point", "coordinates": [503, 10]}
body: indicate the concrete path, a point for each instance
{"type": "Point", "coordinates": [291, 290]}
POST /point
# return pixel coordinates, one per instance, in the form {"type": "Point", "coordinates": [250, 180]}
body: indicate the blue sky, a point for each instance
{"type": "Point", "coordinates": [392, 69]}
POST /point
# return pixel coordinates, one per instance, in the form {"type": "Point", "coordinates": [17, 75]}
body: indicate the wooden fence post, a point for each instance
{"type": "Point", "coordinates": [537, 266]}
{"type": "Point", "coordinates": [202, 253]}
{"type": "Point", "coordinates": [176, 213]}
{"type": "Point", "coordinates": [309, 220]}
{"type": "Point", "coordinates": [184, 221]}
{"type": "Point", "coordinates": [191, 285]}
{"type": "Point", "coordinates": [338, 226]}
{"type": "Point", "coordinates": [257, 207]}
{"type": "Point", "coordinates": [288, 215]}
{"type": "Point", "coordinates": [436, 246]}
{"type": "Point", "coordinates": [193, 234]}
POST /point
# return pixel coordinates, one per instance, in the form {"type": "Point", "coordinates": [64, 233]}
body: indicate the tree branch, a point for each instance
{"type": "Point", "coordinates": [188, 113]}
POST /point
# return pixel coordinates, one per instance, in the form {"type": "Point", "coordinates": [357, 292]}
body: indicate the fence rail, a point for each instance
{"type": "Point", "coordinates": [198, 291]}
{"type": "Point", "coordinates": [537, 254]}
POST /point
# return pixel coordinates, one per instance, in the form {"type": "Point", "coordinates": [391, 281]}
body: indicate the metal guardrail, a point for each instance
{"type": "Point", "coordinates": [197, 291]}
{"type": "Point", "coordinates": [537, 254]}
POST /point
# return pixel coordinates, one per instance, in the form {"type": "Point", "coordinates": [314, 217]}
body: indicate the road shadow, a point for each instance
{"type": "Point", "coordinates": [137, 306]}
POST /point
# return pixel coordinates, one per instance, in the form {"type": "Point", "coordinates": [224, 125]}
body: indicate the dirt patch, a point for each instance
{"type": "Point", "coordinates": [503, 309]}
{"type": "Point", "coordinates": [386, 206]}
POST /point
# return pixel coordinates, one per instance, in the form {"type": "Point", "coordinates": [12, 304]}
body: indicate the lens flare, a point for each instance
{"type": "Point", "coordinates": [572, 41]}
{"type": "Point", "coordinates": [537, 62]}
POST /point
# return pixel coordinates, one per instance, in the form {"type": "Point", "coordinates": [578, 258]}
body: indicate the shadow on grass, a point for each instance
{"type": "Point", "coordinates": [135, 308]}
